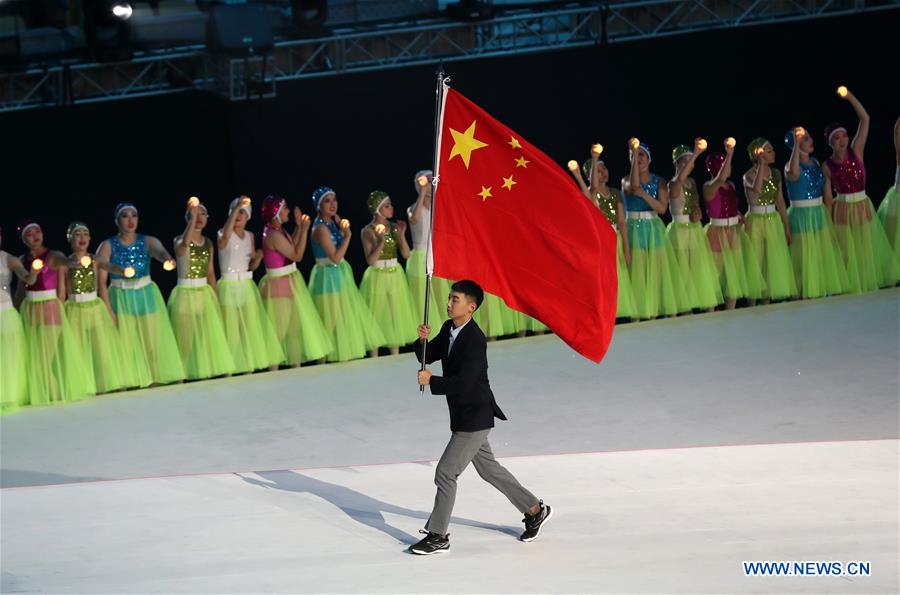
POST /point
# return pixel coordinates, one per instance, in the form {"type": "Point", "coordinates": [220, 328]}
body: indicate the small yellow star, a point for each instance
{"type": "Point", "coordinates": [464, 143]}
{"type": "Point", "coordinates": [522, 162]}
{"type": "Point", "coordinates": [508, 183]}
{"type": "Point", "coordinates": [514, 143]}
{"type": "Point", "coordinates": [485, 193]}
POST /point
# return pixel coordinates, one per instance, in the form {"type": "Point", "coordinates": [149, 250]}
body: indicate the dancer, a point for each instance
{"type": "Point", "coordinates": [348, 321]}
{"type": "Point", "coordinates": [252, 340]}
{"type": "Point", "coordinates": [91, 317]}
{"type": "Point", "coordinates": [147, 339]}
{"type": "Point", "coordinates": [609, 201]}
{"type": "Point", "coordinates": [689, 243]}
{"type": "Point", "coordinates": [736, 262]}
{"type": "Point", "coordinates": [301, 334]}
{"type": "Point", "coordinates": [462, 349]}
{"type": "Point", "coordinates": [889, 209]}
{"type": "Point", "coordinates": [384, 285]}
{"type": "Point", "coordinates": [864, 246]}
{"type": "Point", "coordinates": [767, 223]}
{"type": "Point", "coordinates": [658, 290]}
{"type": "Point", "coordinates": [419, 215]}
{"type": "Point", "coordinates": [13, 350]}
{"type": "Point", "coordinates": [818, 267]}
{"type": "Point", "coordinates": [56, 368]}
{"type": "Point", "coordinates": [193, 305]}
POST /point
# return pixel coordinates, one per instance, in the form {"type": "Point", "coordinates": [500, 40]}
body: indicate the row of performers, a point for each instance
{"type": "Point", "coordinates": [829, 241]}
{"type": "Point", "coordinates": [89, 324]}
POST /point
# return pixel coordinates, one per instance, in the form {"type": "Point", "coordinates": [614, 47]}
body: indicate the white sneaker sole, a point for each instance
{"type": "Point", "coordinates": [549, 516]}
{"type": "Point", "coordinates": [440, 551]}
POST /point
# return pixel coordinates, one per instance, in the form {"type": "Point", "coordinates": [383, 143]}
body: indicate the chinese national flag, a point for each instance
{"type": "Point", "coordinates": [509, 218]}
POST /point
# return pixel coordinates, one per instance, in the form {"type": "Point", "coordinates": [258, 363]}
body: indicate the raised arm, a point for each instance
{"type": "Point", "coordinates": [323, 238]}
{"type": "Point", "coordinates": [792, 169]}
{"type": "Point", "coordinates": [862, 130]}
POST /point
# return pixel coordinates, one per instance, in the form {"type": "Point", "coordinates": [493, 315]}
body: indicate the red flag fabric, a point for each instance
{"type": "Point", "coordinates": [509, 218]}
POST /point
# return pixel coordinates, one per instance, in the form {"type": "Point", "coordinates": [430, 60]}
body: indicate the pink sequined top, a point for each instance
{"type": "Point", "coordinates": [273, 258]}
{"type": "Point", "coordinates": [849, 175]}
{"type": "Point", "coordinates": [47, 277]}
{"type": "Point", "coordinates": [725, 202]}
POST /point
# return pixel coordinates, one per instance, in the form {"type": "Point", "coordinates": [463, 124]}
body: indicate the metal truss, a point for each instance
{"type": "Point", "coordinates": [379, 47]}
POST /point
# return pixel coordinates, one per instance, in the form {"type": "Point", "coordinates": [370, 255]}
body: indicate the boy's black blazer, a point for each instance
{"type": "Point", "coordinates": [465, 380]}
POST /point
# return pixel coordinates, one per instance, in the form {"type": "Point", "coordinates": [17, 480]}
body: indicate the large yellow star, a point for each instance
{"type": "Point", "coordinates": [514, 143]}
{"type": "Point", "coordinates": [485, 193]}
{"type": "Point", "coordinates": [508, 183]}
{"type": "Point", "coordinates": [522, 162]}
{"type": "Point", "coordinates": [464, 143]}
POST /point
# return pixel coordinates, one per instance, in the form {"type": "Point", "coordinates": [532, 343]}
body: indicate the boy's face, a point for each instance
{"type": "Point", "coordinates": [459, 305]}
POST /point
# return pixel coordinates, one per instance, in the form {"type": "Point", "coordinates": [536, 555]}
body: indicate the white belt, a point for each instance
{"type": "Point", "coordinates": [88, 296]}
{"type": "Point", "coordinates": [810, 202]}
{"type": "Point", "coordinates": [282, 271]}
{"type": "Point", "coordinates": [237, 276]}
{"type": "Point", "coordinates": [192, 282]}
{"type": "Point", "coordinates": [615, 227]}
{"type": "Point", "coordinates": [130, 283]}
{"type": "Point", "coordinates": [681, 218]}
{"type": "Point", "coordinates": [326, 262]}
{"type": "Point", "coordinates": [727, 222]}
{"type": "Point", "coordinates": [43, 294]}
{"type": "Point", "coordinates": [641, 214]}
{"type": "Point", "coordinates": [762, 209]}
{"type": "Point", "coordinates": [852, 197]}
{"type": "Point", "coordinates": [386, 264]}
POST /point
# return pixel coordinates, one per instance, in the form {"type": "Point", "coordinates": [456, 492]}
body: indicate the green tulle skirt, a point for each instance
{"type": "Point", "coordinates": [496, 318]}
{"type": "Point", "coordinates": [298, 326]}
{"type": "Point", "coordinates": [626, 307]}
{"type": "Point", "coordinates": [437, 304]}
{"type": "Point", "coordinates": [696, 266]}
{"type": "Point", "coordinates": [867, 254]}
{"type": "Point", "coordinates": [736, 262]}
{"type": "Point", "coordinates": [251, 338]}
{"type": "Point", "coordinates": [101, 345]}
{"type": "Point", "coordinates": [440, 287]}
{"type": "Point", "coordinates": [197, 322]}
{"type": "Point", "coordinates": [348, 321]}
{"type": "Point", "coordinates": [57, 371]}
{"type": "Point", "coordinates": [658, 288]}
{"type": "Point", "coordinates": [818, 267]}
{"type": "Point", "coordinates": [386, 293]}
{"type": "Point", "coordinates": [889, 213]}
{"type": "Point", "coordinates": [766, 233]}
{"type": "Point", "coordinates": [148, 343]}
{"type": "Point", "coordinates": [13, 354]}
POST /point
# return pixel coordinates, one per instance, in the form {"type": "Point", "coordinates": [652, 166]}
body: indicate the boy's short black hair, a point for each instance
{"type": "Point", "coordinates": [471, 290]}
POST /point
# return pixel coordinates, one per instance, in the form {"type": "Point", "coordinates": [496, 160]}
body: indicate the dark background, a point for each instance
{"type": "Point", "coordinates": [371, 131]}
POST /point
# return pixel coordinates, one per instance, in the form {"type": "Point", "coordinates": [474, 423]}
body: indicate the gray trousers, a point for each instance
{"type": "Point", "coordinates": [463, 448]}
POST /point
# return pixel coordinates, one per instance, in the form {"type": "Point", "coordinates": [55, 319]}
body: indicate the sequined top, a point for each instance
{"type": "Point", "coordinates": [336, 237]}
{"type": "Point", "coordinates": [767, 194]}
{"type": "Point", "coordinates": [47, 277]}
{"type": "Point", "coordinates": [5, 280]}
{"type": "Point", "coordinates": [133, 255]}
{"type": "Point", "coordinates": [724, 203]}
{"type": "Point", "coordinates": [272, 257]}
{"type": "Point", "coordinates": [195, 263]}
{"type": "Point", "coordinates": [609, 205]}
{"type": "Point", "coordinates": [419, 229]}
{"type": "Point", "coordinates": [687, 203]}
{"type": "Point", "coordinates": [636, 203]}
{"type": "Point", "coordinates": [82, 279]}
{"type": "Point", "coordinates": [849, 175]}
{"type": "Point", "coordinates": [389, 250]}
{"type": "Point", "coordinates": [235, 257]}
{"type": "Point", "coordinates": [810, 183]}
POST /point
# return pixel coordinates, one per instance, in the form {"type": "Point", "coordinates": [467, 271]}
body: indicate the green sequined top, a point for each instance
{"type": "Point", "coordinates": [609, 205]}
{"type": "Point", "coordinates": [82, 279]}
{"type": "Point", "coordinates": [197, 258]}
{"type": "Point", "coordinates": [768, 193]}
{"type": "Point", "coordinates": [389, 250]}
{"type": "Point", "coordinates": [691, 198]}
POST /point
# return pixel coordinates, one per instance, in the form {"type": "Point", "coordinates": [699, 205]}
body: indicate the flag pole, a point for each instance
{"type": "Point", "coordinates": [429, 257]}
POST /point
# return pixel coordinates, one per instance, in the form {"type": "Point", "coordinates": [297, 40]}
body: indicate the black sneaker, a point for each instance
{"type": "Point", "coordinates": [432, 543]}
{"type": "Point", "coordinates": [534, 522]}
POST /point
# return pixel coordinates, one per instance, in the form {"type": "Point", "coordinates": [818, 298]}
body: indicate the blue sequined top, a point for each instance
{"type": "Point", "coordinates": [809, 184]}
{"type": "Point", "coordinates": [636, 203]}
{"type": "Point", "coordinates": [336, 237]}
{"type": "Point", "coordinates": [134, 255]}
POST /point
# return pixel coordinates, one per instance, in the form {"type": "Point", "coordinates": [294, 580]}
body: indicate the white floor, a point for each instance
{"type": "Point", "coordinates": [767, 434]}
